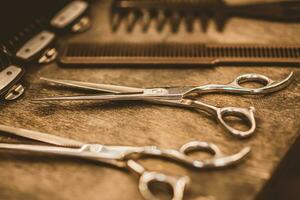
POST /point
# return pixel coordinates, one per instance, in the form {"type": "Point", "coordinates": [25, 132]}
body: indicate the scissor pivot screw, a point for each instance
{"type": "Point", "coordinates": [155, 91]}
{"type": "Point", "coordinates": [96, 148]}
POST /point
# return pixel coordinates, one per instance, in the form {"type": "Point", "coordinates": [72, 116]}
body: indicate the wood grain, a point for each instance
{"type": "Point", "coordinates": [25, 176]}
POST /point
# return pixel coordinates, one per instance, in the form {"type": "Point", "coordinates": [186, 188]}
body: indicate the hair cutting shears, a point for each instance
{"type": "Point", "coordinates": [184, 96]}
{"type": "Point", "coordinates": [126, 156]}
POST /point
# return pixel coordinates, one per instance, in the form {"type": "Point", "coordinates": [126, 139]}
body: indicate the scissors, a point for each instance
{"type": "Point", "coordinates": [184, 96]}
{"type": "Point", "coordinates": [125, 156]}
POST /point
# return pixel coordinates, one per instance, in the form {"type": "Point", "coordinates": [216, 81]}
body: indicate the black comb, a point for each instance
{"type": "Point", "coordinates": [188, 11]}
{"type": "Point", "coordinates": [178, 54]}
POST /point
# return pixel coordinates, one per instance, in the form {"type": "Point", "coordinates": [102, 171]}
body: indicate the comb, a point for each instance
{"type": "Point", "coordinates": [178, 53]}
{"type": "Point", "coordinates": [173, 12]}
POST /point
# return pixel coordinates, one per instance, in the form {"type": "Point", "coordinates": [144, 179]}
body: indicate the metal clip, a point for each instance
{"type": "Point", "coordinates": [82, 25]}
{"type": "Point", "coordinates": [72, 15]}
{"type": "Point", "coordinates": [15, 92]}
{"type": "Point", "coordinates": [36, 46]}
{"type": "Point", "coordinates": [10, 88]}
{"type": "Point", "coordinates": [48, 56]}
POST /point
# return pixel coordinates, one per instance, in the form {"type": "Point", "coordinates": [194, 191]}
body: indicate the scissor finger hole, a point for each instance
{"type": "Point", "coordinates": [239, 118]}
{"type": "Point", "coordinates": [200, 153]}
{"type": "Point", "coordinates": [198, 149]}
{"type": "Point", "coordinates": [252, 81]}
{"type": "Point", "coordinates": [252, 84]}
{"type": "Point", "coordinates": [237, 121]}
{"type": "Point", "coordinates": [161, 190]}
{"type": "Point", "coordinates": [156, 186]}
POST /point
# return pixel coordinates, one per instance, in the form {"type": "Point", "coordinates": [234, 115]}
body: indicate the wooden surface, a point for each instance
{"type": "Point", "coordinates": [26, 176]}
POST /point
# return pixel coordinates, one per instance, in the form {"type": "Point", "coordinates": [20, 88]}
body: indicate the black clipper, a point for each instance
{"type": "Point", "coordinates": [40, 47]}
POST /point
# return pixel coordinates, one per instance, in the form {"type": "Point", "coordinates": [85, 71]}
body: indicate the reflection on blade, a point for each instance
{"type": "Point", "coordinates": [93, 86]}
{"type": "Point", "coordinates": [123, 97]}
{"type": "Point", "coordinates": [38, 136]}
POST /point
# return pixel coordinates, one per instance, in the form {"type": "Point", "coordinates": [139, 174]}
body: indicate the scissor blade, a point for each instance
{"type": "Point", "coordinates": [41, 149]}
{"type": "Point", "coordinates": [130, 97]}
{"type": "Point", "coordinates": [42, 137]}
{"type": "Point", "coordinates": [94, 86]}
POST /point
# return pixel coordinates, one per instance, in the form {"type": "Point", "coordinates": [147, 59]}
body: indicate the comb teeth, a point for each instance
{"type": "Point", "coordinates": [172, 53]}
{"type": "Point", "coordinates": [163, 11]}
{"type": "Point", "coordinates": [175, 11]}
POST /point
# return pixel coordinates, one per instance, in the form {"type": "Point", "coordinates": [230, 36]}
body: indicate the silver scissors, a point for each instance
{"type": "Point", "coordinates": [184, 96]}
{"type": "Point", "coordinates": [125, 156]}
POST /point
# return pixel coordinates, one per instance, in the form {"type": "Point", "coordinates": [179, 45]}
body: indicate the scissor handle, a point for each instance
{"type": "Point", "coordinates": [245, 114]}
{"type": "Point", "coordinates": [236, 86]}
{"type": "Point", "coordinates": [255, 78]}
{"type": "Point", "coordinates": [178, 184]}
{"type": "Point", "coordinates": [201, 146]}
{"type": "Point", "coordinates": [269, 85]}
{"type": "Point", "coordinates": [218, 160]}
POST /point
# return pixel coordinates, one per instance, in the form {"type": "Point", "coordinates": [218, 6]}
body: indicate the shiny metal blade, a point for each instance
{"type": "Point", "coordinates": [94, 86]}
{"type": "Point", "coordinates": [42, 149]}
{"type": "Point", "coordinates": [129, 97]}
{"type": "Point", "coordinates": [42, 137]}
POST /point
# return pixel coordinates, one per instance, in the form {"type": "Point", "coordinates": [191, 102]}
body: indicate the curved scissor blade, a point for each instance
{"type": "Point", "coordinates": [94, 86]}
